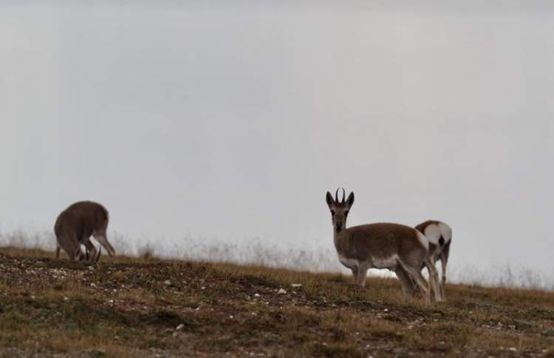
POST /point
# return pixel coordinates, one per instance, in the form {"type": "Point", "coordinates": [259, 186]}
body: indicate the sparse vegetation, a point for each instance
{"type": "Point", "coordinates": [259, 253]}
{"type": "Point", "coordinates": [137, 307]}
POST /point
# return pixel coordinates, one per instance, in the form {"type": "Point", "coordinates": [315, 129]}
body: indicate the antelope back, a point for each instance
{"type": "Point", "coordinates": [382, 240]}
{"type": "Point", "coordinates": [82, 219]}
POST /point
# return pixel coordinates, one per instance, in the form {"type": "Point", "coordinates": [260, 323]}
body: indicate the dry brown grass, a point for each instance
{"type": "Point", "coordinates": [130, 307]}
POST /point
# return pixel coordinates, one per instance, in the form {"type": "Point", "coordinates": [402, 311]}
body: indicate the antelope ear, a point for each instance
{"type": "Point", "coordinates": [350, 200]}
{"type": "Point", "coordinates": [329, 199]}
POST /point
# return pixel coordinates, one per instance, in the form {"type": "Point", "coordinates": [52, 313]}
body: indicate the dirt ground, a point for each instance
{"type": "Point", "coordinates": [131, 307]}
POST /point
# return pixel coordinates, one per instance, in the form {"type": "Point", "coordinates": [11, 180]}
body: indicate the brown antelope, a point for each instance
{"type": "Point", "coordinates": [74, 227]}
{"type": "Point", "coordinates": [440, 237]}
{"type": "Point", "coordinates": [396, 247]}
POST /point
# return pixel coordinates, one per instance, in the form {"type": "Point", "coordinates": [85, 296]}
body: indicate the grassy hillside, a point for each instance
{"type": "Point", "coordinates": [138, 307]}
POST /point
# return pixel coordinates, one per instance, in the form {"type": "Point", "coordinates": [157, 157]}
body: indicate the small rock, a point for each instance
{"type": "Point", "coordinates": [296, 285]}
{"type": "Point", "coordinates": [282, 291]}
{"type": "Point", "coordinates": [512, 349]}
{"type": "Point", "coordinates": [91, 268]}
{"type": "Point", "coordinates": [256, 295]}
{"type": "Point", "coordinates": [66, 299]}
{"type": "Point", "coordinates": [92, 284]}
{"type": "Point", "coordinates": [167, 282]}
{"type": "Point", "coordinates": [386, 310]}
{"type": "Point", "coordinates": [180, 327]}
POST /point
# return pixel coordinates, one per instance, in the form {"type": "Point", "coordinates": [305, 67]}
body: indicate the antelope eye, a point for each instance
{"type": "Point", "coordinates": [333, 212]}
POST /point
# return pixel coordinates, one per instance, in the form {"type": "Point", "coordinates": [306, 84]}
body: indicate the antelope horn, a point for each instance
{"type": "Point", "coordinates": [337, 196]}
{"type": "Point", "coordinates": [343, 195]}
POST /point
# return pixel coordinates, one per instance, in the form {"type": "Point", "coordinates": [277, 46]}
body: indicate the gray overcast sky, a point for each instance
{"type": "Point", "coordinates": [231, 119]}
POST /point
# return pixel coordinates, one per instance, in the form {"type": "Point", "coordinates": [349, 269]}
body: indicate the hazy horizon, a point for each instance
{"type": "Point", "coordinates": [229, 121]}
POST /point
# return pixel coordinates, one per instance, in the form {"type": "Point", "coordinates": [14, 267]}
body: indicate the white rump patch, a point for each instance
{"type": "Point", "coordinates": [385, 262]}
{"type": "Point", "coordinates": [435, 231]}
{"type": "Point", "coordinates": [423, 239]}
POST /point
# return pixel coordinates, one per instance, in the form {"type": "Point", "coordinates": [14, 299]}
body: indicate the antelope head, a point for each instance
{"type": "Point", "coordinates": [339, 209]}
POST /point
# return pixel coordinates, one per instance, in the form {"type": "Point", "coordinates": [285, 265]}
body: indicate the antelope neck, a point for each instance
{"type": "Point", "coordinates": [337, 235]}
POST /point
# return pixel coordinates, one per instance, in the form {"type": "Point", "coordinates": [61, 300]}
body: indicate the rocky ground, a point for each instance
{"type": "Point", "coordinates": [149, 307]}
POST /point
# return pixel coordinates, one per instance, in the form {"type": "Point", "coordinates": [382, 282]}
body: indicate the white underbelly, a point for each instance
{"type": "Point", "coordinates": [377, 262]}
{"type": "Point", "coordinates": [385, 262]}
{"type": "Point", "coordinates": [350, 263]}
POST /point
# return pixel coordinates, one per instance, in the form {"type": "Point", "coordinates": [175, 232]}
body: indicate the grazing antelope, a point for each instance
{"type": "Point", "coordinates": [76, 224]}
{"type": "Point", "coordinates": [440, 237]}
{"type": "Point", "coordinates": [396, 247]}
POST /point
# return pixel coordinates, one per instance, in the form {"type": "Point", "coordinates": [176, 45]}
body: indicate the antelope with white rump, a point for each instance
{"type": "Point", "coordinates": [399, 248]}
{"type": "Point", "coordinates": [74, 227]}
